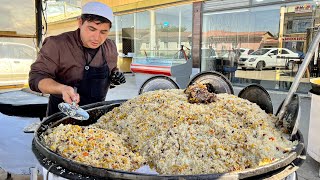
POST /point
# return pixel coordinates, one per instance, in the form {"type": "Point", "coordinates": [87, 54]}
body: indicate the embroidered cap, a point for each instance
{"type": "Point", "coordinates": [98, 8]}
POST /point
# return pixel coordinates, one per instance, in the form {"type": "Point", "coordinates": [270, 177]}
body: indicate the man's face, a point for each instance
{"type": "Point", "coordinates": [93, 34]}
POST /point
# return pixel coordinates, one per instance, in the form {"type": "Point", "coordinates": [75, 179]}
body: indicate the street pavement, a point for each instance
{"type": "Point", "coordinates": [308, 171]}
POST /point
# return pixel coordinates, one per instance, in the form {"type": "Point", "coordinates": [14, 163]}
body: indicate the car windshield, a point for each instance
{"type": "Point", "coordinates": [17, 51]}
{"type": "Point", "coordinates": [5, 52]}
{"type": "Point", "coordinates": [260, 52]}
{"type": "Point", "coordinates": [300, 53]}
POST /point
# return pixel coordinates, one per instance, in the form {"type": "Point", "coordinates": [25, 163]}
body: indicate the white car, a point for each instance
{"type": "Point", "coordinates": [208, 53]}
{"type": "Point", "coordinates": [268, 58]}
{"type": "Point", "coordinates": [244, 52]}
{"type": "Point", "coordinates": [15, 61]}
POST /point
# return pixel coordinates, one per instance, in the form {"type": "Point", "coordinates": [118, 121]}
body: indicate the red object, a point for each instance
{"type": "Point", "coordinates": [150, 69]}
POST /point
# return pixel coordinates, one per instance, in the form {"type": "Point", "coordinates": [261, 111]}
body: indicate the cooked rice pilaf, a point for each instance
{"type": "Point", "coordinates": [93, 146]}
{"type": "Point", "coordinates": [176, 137]}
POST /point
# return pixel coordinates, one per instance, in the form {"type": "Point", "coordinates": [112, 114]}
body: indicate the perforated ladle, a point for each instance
{"type": "Point", "coordinates": [73, 110]}
{"type": "Point", "coordinates": [292, 115]}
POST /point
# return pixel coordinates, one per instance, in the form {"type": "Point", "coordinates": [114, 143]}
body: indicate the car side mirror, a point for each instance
{"type": "Point", "coordinates": [271, 54]}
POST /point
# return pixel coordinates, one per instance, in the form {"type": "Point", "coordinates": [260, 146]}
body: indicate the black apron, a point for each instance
{"type": "Point", "coordinates": [92, 88]}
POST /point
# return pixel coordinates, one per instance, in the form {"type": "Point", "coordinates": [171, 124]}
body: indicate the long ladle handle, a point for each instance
{"type": "Point", "coordinates": [302, 69]}
{"type": "Point", "coordinates": [74, 104]}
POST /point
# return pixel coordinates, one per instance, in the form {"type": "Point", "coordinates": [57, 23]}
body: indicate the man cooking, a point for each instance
{"type": "Point", "coordinates": [84, 59]}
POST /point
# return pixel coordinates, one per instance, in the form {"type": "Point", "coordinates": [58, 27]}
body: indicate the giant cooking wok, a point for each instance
{"type": "Point", "coordinates": [67, 168]}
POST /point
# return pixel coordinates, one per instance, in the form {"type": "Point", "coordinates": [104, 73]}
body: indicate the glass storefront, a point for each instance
{"type": "Point", "coordinates": [155, 32]}
{"type": "Point", "coordinates": [261, 43]}
{"type": "Point", "coordinates": [173, 27]}
{"type": "Point", "coordinates": [142, 33]}
{"type": "Point", "coordinates": [123, 27]}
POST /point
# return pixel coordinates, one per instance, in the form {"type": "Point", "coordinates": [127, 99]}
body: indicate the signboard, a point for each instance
{"type": "Point", "coordinates": [303, 8]}
{"type": "Point", "coordinates": [294, 39]}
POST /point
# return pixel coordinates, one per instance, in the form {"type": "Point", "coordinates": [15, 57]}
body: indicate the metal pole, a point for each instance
{"type": "Point", "coordinates": [302, 69]}
{"type": "Point", "coordinates": [34, 173]}
{"type": "Point", "coordinates": [180, 19]}
{"type": "Point", "coordinates": [38, 6]}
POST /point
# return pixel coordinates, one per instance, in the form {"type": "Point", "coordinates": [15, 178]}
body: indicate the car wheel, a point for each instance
{"type": "Point", "coordinates": [260, 65]}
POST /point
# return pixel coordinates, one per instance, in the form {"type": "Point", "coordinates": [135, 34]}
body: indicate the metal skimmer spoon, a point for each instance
{"type": "Point", "coordinates": [73, 110]}
{"type": "Point", "coordinates": [291, 117]}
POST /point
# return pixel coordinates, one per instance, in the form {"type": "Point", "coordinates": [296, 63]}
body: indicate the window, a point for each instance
{"type": "Point", "coordinates": [284, 52]}
{"type": "Point", "coordinates": [166, 45]}
{"type": "Point", "coordinates": [142, 34]}
{"type": "Point", "coordinates": [259, 28]}
{"type": "Point", "coordinates": [173, 27]}
{"type": "Point", "coordinates": [17, 51]}
{"type": "Point", "coordinates": [301, 25]}
{"type": "Point", "coordinates": [275, 52]}
{"type": "Point", "coordinates": [289, 25]}
{"type": "Point", "coordinates": [161, 36]}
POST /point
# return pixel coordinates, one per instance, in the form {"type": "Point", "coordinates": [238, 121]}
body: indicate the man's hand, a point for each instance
{"type": "Point", "coordinates": [50, 86]}
{"type": "Point", "coordinates": [69, 95]}
{"type": "Point", "coordinates": [117, 78]}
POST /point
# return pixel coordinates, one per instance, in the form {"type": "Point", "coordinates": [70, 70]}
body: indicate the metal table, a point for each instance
{"type": "Point", "coordinates": [23, 103]}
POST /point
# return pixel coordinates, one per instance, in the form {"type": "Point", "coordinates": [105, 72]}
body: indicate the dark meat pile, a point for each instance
{"type": "Point", "coordinates": [200, 93]}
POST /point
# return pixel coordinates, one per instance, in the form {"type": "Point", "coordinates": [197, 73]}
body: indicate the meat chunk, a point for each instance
{"type": "Point", "coordinates": [200, 93]}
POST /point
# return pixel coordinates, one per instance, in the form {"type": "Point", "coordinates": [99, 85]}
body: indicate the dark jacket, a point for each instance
{"type": "Point", "coordinates": [62, 58]}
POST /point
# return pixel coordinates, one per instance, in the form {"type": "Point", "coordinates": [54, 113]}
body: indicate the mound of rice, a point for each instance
{"type": "Point", "coordinates": [177, 137]}
{"type": "Point", "coordinates": [92, 146]}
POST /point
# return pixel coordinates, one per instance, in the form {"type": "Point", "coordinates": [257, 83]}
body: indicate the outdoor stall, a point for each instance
{"type": "Point", "coordinates": [67, 168]}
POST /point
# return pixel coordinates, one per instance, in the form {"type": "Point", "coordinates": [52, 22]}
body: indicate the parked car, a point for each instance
{"type": "Point", "coordinates": [15, 61]}
{"type": "Point", "coordinates": [244, 52]}
{"type": "Point", "coordinates": [209, 56]}
{"type": "Point", "coordinates": [209, 53]}
{"type": "Point", "coordinates": [269, 58]}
